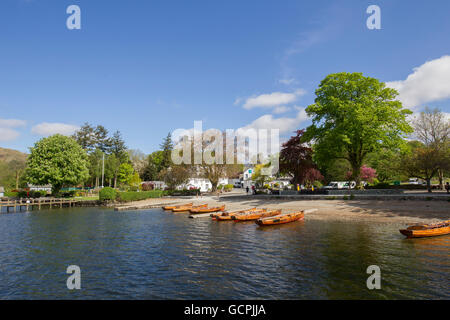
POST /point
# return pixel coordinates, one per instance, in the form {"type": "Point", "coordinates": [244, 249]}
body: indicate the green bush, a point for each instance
{"type": "Point", "coordinates": [11, 194]}
{"type": "Point", "coordinates": [136, 196]}
{"type": "Point", "coordinates": [228, 187]}
{"type": "Point", "coordinates": [220, 187]}
{"type": "Point", "coordinates": [317, 184]}
{"type": "Point", "coordinates": [107, 194]}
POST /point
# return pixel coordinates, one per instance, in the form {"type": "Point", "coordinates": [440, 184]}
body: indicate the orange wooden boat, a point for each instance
{"type": "Point", "coordinates": [186, 209]}
{"type": "Point", "coordinates": [255, 215]}
{"type": "Point", "coordinates": [178, 206]}
{"type": "Point", "coordinates": [207, 210]}
{"type": "Point", "coordinates": [281, 218]}
{"type": "Point", "coordinates": [427, 230]}
{"type": "Point", "coordinates": [226, 216]}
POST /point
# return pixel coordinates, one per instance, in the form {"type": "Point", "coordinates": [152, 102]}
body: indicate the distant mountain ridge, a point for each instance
{"type": "Point", "coordinates": [8, 155]}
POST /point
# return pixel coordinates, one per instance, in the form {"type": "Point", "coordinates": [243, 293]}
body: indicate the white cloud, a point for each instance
{"type": "Point", "coordinates": [429, 82]}
{"type": "Point", "coordinates": [12, 123]}
{"type": "Point", "coordinates": [47, 129]}
{"type": "Point", "coordinates": [7, 134]}
{"type": "Point", "coordinates": [283, 124]}
{"type": "Point", "coordinates": [281, 109]}
{"type": "Point", "coordinates": [274, 99]}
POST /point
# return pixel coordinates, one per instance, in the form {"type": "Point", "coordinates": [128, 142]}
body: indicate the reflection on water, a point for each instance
{"type": "Point", "coordinates": [157, 255]}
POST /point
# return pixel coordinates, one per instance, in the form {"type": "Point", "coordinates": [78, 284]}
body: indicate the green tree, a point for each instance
{"type": "Point", "coordinates": [432, 128]}
{"type": "Point", "coordinates": [175, 176]}
{"type": "Point", "coordinates": [126, 173]}
{"type": "Point", "coordinates": [353, 116]}
{"type": "Point", "coordinates": [57, 160]}
{"type": "Point", "coordinates": [167, 147]}
{"type": "Point", "coordinates": [423, 162]}
{"type": "Point", "coordinates": [153, 166]}
{"type": "Point", "coordinates": [118, 150]}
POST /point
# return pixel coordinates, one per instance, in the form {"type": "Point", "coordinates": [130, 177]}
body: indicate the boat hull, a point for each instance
{"type": "Point", "coordinates": [187, 209]}
{"type": "Point", "coordinates": [255, 216]}
{"type": "Point", "coordinates": [426, 232]}
{"type": "Point", "coordinates": [281, 219]}
{"type": "Point", "coordinates": [206, 210]}
{"type": "Point", "coordinates": [178, 206]}
{"type": "Point", "coordinates": [227, 216]}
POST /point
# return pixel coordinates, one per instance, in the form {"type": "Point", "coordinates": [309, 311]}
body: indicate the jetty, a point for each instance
{"type": "Point", "coordinates": [36, 204]}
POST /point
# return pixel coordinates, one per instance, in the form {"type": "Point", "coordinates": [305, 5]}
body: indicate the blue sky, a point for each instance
{"type": "Point", "coordinates": [149, 67]}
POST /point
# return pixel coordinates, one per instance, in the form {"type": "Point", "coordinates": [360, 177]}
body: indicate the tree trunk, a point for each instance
{"type": "Point", "coordinates": [441, 179]}
{"type": "Point", "coordinates": [17, 180]}
{"type": "Point", "coordinates": [429, 184]}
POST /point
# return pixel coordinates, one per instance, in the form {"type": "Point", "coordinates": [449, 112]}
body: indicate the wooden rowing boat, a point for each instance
{"type": "Point", "coordinates": [281, 218]}
{"type": "Point", "coordinates": [186, 209]}
{"type": "Point", "coordinates": [178, 206]}
{"type": "Point", "coordinates": [427, 230]}
{"type": "Point", "coordinates": [255, 215]}
{"type": "Point", "coordinates": [226, 216]}
{"type": "Point", "coordinates": [207, 210]}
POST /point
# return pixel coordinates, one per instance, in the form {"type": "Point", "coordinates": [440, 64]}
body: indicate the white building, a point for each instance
{"type": "Point", "coordinates": [246, 178]}
{"type": "Point", "coordinates": [201, 183]}
{"type": "Point", "coordinates": [2, 192]}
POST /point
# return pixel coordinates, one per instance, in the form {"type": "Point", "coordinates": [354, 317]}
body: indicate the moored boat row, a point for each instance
{"type": "Point", "coordinates": [265, 217]}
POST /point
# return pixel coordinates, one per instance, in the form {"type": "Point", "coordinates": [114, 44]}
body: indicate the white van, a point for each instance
{"type": "Point", "coordinates": [340, 185]}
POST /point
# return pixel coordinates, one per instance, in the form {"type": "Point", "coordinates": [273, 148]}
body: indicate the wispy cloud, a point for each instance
{"type": "Point", "coordinates": [428, 82]}
{"type": "Point", "coordinates": [47, 129]}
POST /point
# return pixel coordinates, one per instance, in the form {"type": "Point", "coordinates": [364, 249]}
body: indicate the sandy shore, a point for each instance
{"type": "Point", "coordinates": [369, 210]}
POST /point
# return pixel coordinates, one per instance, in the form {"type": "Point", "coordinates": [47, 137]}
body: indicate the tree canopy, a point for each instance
{"type": "Point", "coordinates": [57, 160]}
{"type": "Point", "coordinates": [352, 116]}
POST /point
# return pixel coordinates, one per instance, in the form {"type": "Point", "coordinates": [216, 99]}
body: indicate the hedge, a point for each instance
{"type": "Point", "coordinates": [136, 196]}
{"type": "Point", "coordinates": [107, 194]}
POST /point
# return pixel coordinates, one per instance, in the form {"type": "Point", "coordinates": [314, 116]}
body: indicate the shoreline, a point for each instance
{"type": "Point", "coordinates": [395, 211]}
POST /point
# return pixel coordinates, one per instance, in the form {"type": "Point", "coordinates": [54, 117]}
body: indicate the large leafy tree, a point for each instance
{"type": "Point", "coordinates": [296, 158]}
{"type": "Point", "coordinates": [57, 160]}
{"type": "Point", "coordinates": [353, 116]}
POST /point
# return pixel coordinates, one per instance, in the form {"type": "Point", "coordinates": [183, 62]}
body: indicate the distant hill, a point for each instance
{"type": "Point", "coordinates": [7, 155]}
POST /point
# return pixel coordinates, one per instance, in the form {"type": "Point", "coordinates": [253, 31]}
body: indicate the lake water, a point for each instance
{"type": "Point", "coordinates": [153, 254]}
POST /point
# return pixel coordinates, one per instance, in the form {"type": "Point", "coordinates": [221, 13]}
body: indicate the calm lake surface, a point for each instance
{"type": "Point", "coordinates": [152, 254]}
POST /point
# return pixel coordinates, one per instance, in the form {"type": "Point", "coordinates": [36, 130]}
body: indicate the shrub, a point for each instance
{"type": "Point", "coordinates": [345, 198]}
{"type": "Point", "coordinates": [228, 187]}
{"type": "Point", "coordinates": [220, 187]}
{"type": "Point", "coordinates": [136, 196]}
{"type": "Point", "coordinates": [107, 193]}
{"type": "Point", "coordinates": [352, 196]}
{"type": "Point", "coordinates": [317, 184]}
{"type": "Point", "coordinates": [12, 194]}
